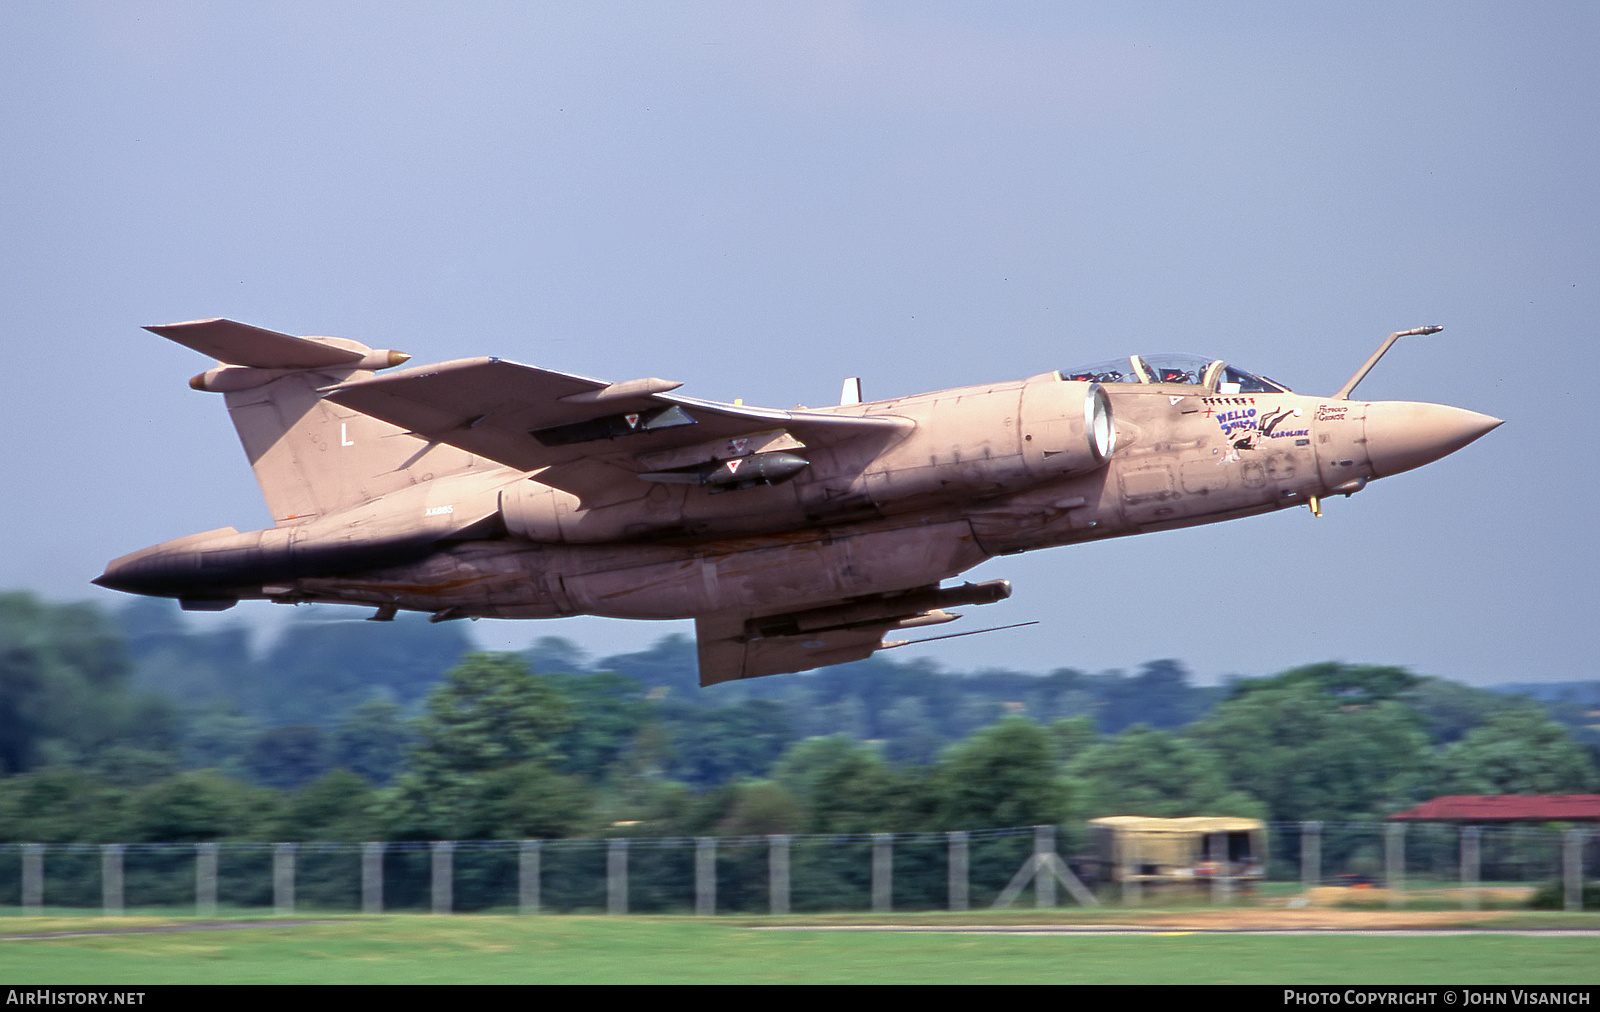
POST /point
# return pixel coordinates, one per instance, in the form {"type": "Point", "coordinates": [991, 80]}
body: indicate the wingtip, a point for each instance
{"type": "Point", "coordinates": [161, 328]}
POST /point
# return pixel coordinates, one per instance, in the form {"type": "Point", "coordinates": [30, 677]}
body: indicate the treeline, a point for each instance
{"type": "Point", "coordinates": [129, 728]}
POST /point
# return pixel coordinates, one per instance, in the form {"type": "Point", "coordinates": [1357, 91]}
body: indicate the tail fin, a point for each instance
{"type": "Point", "coordinates": [310, 456]}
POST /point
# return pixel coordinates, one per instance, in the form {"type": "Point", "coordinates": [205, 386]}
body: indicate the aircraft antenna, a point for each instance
{"type": "Point", "coordinates": [951, 636]}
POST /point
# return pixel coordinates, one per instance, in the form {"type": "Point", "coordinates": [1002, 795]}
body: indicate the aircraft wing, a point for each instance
{"type": "Point", "coordinates": [530, 418]}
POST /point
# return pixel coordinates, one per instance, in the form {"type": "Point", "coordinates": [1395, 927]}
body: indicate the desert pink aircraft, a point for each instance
{"type": "Point", "coordinates": [794, 539]}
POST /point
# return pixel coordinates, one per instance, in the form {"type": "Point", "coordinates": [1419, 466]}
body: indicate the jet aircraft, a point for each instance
{"type": "Point", "coordinates": [794, 539]}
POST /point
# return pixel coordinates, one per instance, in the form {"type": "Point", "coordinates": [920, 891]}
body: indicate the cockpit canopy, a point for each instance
{"type": "Point", "coordinates": [1191, 370]}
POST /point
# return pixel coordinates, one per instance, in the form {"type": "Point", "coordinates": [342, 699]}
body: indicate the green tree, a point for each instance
{"type": "Point", "coordinates": [1346, 684]}
{"type": "Point", "coordinates": [1156, 773]}
{"type": "Point", "coordinates": [748, 808]}
{"type": "Point", "coordinates": [287, 756]}
{"type": "Point", "coordinates": [1070, 736]}
{"type": "Point", "coordinates": [1002, 775]}
{"type": "Point", "coordinates": [608, 710]}
{"type": "Point", "coordinates": [556, 655]}
{"type": "Point", "coordinates": [1518, 752]}
{"type": "Point", "coordinates": [526, 801]}
{"type": "Point", "coordinates": [336, 806]}
{"type": "Point", "coordinates": [218, 738]}
{"type": "Point", "coordinates": [61, 805]}
{"type": "Point", "coordinates": [318, 669]}
{"type": "Point", "coordinates": [715, 746]}
{"type": "Point", "coordinates": [670, 663]}
{"type": "Point", "coordinates": [910, 733]}
{"type": "Point", "coordinates": [1158, 696]}
{"type": "Point", "coordinates": [490, 712]}
{"type": "Point", "coordinates": [1326, 742]}
{"type": "Point", "coordinates": [63, 683]}
{"type": "Point", "coordinates": [213, 668]}
{"type": "Point", "coordinates": [131, 766]}
{"type": "Point", "coordinates": [844, 786]}
{"type": "Point", "coordinates": [372, 740]}
{"type": "Point", "coordinates": [1451, 709]}
{"type": "Point", "coordinates": [200, 805]}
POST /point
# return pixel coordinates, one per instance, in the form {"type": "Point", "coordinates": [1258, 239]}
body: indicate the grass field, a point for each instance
{"type": "Point", "coordinates": [573, 949]}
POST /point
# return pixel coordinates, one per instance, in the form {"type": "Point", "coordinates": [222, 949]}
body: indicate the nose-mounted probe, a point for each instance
{"type": "Point", "coordinates": [1314, 503]}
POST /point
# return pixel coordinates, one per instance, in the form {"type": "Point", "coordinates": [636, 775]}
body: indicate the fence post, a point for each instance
{"type": "Point", "coordinates": [111, 893]}
{"type": "Point", "coordinates": [1044, 883]}
{"type": "Point", "coordinates": [1310, 855]}
{"type": "Point", "coordinates": [372, 878]}
{"type": "Point", "coordinates": [1470, 863]}
{"type": "Point", "coordinates": [283, 878]}
{"type": "Point", "coordinates": [528, 898]}
{"type": "Point", "coordinates": [33, 877]}
{"type": "Point", "coordinates": [882, 872]}
{"type": "Point", "coordinates": [1130, 869]}
{"type": "Point", "coordinates": [1221, 870]}
{"type": "Point", "coordinates": [205, 879]}
{"type": "Point", "coordinates": [1572, 868]}
{"type": "Point", "coordinates": [1394, 862]}
{"type": "Point", "coordinates": [705, 876]}
{"type": "Point", "coordinates": [958, 877]}
{"type": "Point", "coordinates": [617, 877]}
{"type": "Point", "coordinates": [444, 876]}
{"type": "Point", "coordinates": [778, 873]}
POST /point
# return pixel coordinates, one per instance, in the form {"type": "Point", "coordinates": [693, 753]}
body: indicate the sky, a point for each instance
{"type": "Point", "coordinates": [762, 199]}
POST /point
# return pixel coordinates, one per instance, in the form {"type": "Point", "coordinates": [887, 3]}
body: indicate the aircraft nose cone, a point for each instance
{"type": "Point", "coordinates": [1402, 435]}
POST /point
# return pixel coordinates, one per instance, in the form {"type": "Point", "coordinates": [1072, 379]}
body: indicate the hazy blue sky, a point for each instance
{"type": "Point", "coordinates": [760, 200]}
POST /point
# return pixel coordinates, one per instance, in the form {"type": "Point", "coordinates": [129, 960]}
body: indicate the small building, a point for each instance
{"type": "Point", "coordinates": [1192, 851]}
{"type": "Point", "coordinates": [1487, 808]}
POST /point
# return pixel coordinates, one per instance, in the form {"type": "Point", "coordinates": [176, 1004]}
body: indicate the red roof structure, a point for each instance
{"type": "Point", "coordinates": [1506, 808]}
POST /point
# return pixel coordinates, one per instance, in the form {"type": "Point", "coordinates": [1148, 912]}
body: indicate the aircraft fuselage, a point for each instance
{"type": "Point", "coordinates": [486, 489]}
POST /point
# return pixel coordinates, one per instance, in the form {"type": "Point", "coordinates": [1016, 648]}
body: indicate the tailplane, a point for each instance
{"type": "Point", "coordinates": [310, 456]}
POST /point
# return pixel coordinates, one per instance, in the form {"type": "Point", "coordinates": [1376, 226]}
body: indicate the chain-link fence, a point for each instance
{"type": "Point", "coordinates": [1365, 863]}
